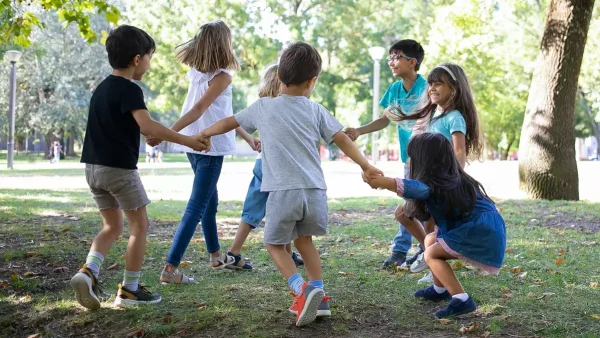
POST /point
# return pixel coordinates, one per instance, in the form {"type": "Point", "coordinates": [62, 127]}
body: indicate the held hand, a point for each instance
{"type": "Point", "coordinates": [198, 142]}
{"type": "Point", "coordinates": [258, 145]}
{"type": "Point", "coordinates": [377, 183]}
{"type": "Point", "coordinates": [152, 141]}
{"type": "Point", "coordinates": [254, 143]}
{"type": "Point", "coordinates": [371, 172]}
{"type": "Point", "coordinates": [352, 133]}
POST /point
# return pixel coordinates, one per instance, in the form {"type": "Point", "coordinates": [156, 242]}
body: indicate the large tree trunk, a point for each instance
{"type": "Point", "coordinates": [547, 164]}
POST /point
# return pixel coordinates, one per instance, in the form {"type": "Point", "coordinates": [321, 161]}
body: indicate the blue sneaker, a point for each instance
{"type": "Point", "coordinates": [297, 259]}
{"type": "Point", "coordinates": [457, 307]}
{"type": "Point", "coordinates": [429, 293]}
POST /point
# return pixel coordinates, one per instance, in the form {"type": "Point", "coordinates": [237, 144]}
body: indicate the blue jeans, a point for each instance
{"type": "Point", "coordinates": [202, 205]}
{"type": "Point", "coordinates": [403, 239]}
{"type": "Point", "coordinates": [256, 201]}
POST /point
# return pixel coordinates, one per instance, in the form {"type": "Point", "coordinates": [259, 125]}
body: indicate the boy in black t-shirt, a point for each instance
{"type": "Point", "coordinates": [117, 115]}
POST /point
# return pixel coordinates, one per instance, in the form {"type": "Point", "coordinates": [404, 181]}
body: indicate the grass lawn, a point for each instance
{"type": "Point", "coordinates": [548, 287]}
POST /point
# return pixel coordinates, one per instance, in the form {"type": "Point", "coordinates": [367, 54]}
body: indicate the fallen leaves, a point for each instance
{"type": "Point", "coordinates": [348, 274]}
{"type": "Point", "coordinates": [444, 321]}
{"type": "Point", "coordinates": [594, 285]}
{"type": "Point", "coordinates": [230, 288]}
{"type": "Point", "coordinates": [61, 269]}
{"type": "Point", "coordinates": [25, 299]}
{"type": "Point", "coordinates": [469, 329]}
{"type": "Point", "coordinates": [167, 320]}
{"type": "Point", "coordinates": [595, 316]}
{"type": "Point", "coordinates": [112, 267]}
{"type": "Point", "coordinates": [37, 335]}
{"type": "Point", "coordinates": [559, 261]}
{"type": "Point", "coordinates": [139, 333]}
{"type": "Point", "coordinates": [516, 269]}
{"type": "Point", "coordinates": [185, 264]}
{"type": "Point", "coordinates": [457, 264]}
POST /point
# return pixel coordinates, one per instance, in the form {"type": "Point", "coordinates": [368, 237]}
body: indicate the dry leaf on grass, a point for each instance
{"type": "Point", "coordinates": [531, 294]}
{"type": "Point", "coordinates": [245, 247]}
{"type": "Point", "coordinates": [342, 273]}
{"type": "Point", "coordinates": [3, 284]}
{"type": "Point", "coordinates": [444, 321]}
{"type": "Point", "coordinates": [61, 269]}
{"type": "Point", "coordinates": [25, 299]}
{"type": "Point", "coordinates": [508, 250]}
{"type": "Point", "coordinates": [594, 285]}
{"type": "Point", "coordinates": [37, 335]}
{"type": "Point", "coordinates": [139, 333]}
{"type": "Point", "coordinates": [470, 328]}
{"type": "Point", "coordinates": [516, 269]}
{"type": "Point", "coordinates": [339, 239]}
{"type": "Point", "coordinates": [457, 264]}
{"type": "Point", "coordinates": [185, 264]}
{"type": "Point", "coordinates": [202, 307]}
{"type": "Point", "coordinates": [595, 316]}
{"type": "Point", "coordinates": [114, 266]}
{"type": "Point", "coordinates": [167, 320]}
{"type": "Point", "coordinates": [559, 261]}
{"type": "Point", "coordinates": [486, 334]}
{"type": "Point", "coordinates": [505, 290]}
{"type": "Point", "coordinates": [230, 288]}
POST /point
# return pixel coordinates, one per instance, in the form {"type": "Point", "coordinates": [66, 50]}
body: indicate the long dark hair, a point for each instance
{"type": "Point", "coordinates": [433, 162]}
{"type": "Point", "coordinates": [461, 100]}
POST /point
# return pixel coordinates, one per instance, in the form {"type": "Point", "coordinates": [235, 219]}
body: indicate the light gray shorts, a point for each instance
{"type": "Point", "coordinates": [293, 213]}
{"type": "Point", "coordinates": [116, 188]}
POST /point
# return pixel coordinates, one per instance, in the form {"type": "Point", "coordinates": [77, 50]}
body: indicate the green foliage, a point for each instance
{"type": "Point", "coordinates": [20, 17]}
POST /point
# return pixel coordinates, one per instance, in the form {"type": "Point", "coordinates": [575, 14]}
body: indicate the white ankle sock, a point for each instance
{"type": "Point", "coordinates": [439, 289]}
{"type": "Point", "coordinates": [462, 296]}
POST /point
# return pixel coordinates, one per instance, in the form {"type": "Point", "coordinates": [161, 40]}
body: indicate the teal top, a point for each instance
{"type": "Point", "coordinates": [447, 124]}
{"type": "Point", "coordinates": [408, 102]}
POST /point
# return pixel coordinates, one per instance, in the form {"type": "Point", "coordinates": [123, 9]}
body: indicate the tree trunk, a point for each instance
{"type": "Point", "coordinates": [506, 151]}
{"type": "Point", "coordinates": [48, 139]}
{"type": "Point", "coordinates": [547, 166]}
{"type": "Point", "coordinates": [70, 145]}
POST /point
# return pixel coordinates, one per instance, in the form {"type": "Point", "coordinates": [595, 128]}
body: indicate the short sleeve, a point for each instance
{"type": "Point", "coordinates": [388, 96]}
{"type": "Point", "coordinates": [457, 124]}
{"type": "Point", "coordinates": [248, 118]}
{"type": "Point", "coordinates": [414, 189]}
{"type": "Point", "coordinates": [132, 99]}
{"type": "Point", "coordinates": [328, 125]}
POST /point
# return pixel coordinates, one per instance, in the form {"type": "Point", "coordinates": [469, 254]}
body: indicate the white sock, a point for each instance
{"type": "Point", "coordinates": [439, 289]}
{"type": "Point", "coordinates": [462, 296]}
{"type": "Point", "coordinates": [131, 280]}
{"type": "Point", "coordinates": [94, 261]}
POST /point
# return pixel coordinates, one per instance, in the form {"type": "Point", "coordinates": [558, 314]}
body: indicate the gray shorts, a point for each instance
{"type": "Point", "coordinates": [293, 213]}
{"type": "Point", "coordinates": [116, 188]}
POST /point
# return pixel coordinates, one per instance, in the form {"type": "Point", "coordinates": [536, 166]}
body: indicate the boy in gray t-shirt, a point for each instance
{"type": "Point", "coordinates": [291, 127]}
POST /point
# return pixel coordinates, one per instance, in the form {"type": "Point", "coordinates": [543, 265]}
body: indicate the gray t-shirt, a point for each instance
{"type": "Point", "coordinates": [290, 130]}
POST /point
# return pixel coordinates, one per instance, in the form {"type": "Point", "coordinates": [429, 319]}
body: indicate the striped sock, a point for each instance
{"type": "Point", "coordinates": [317, 284]}
{"type": "Point", "coordinates": [295, 282]}
{"type": "Point", "coordinates": [131, 280]}
{"type": "Point", "coordinates": [94, 261]}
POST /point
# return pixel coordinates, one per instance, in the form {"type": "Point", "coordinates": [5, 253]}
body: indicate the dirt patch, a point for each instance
{"type": "Point", "coordinates": [552, 218]}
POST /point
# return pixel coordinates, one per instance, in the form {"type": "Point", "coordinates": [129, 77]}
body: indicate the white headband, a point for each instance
{"type": "Point", "coordinates": [448, 70]}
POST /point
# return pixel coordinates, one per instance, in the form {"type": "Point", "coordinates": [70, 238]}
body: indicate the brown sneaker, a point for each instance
{"type": "Point", "coordinates": [87, 291]}
{"type": "Point", "coordinates": [126, 297]}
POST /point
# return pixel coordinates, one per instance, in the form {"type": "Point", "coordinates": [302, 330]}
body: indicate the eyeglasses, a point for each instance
{"type": "Point", "coordinates": [398, 57]}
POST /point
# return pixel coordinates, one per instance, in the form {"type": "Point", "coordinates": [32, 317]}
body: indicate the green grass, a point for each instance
{"type": "Point", "coordinates": [42, 230]}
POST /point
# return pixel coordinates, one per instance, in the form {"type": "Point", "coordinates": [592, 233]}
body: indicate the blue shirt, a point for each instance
{"type": "Point", "coordinates": [408, 101]}
{"type": "Point", "coordinates": [448, 124]}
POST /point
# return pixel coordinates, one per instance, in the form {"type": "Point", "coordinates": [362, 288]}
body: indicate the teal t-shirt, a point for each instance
{"type": "Point", "coordinates": [408, 101]}
{"type": "Point", "coordinates": [448, 124]}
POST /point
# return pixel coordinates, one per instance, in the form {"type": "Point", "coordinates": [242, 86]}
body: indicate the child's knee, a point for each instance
{"type": "Point", "coordinates": [430, 240]}
{"type": "Point", "coordinates": [271, 248]}
{"type": "Point", "coordinates": [428, 256]}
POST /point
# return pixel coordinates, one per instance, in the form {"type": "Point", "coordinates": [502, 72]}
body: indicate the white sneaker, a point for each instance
{"type": "Point", "coordinates": [427, 279]}
{"type": "Point", "coordinates": [419, 265]}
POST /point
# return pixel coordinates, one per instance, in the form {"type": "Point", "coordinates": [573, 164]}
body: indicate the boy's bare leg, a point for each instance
{"type": "Point", "coordinates": [136, 247]}
{"type": "Point", "coordinates": [112, 227]}
{"type": "Point", "coordinates": [312, 259]}
{"type": "Point", "coordinates": [282, 259]}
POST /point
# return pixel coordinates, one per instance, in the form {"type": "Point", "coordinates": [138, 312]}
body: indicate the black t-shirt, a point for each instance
{"type": "Point", "coordinates": [112, 136]}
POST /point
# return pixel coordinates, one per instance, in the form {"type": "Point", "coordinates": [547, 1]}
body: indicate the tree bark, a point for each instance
{"type": "Point", "coordinates": [48, 139]}
{"type": "Point", "coordinates": [547, 166]}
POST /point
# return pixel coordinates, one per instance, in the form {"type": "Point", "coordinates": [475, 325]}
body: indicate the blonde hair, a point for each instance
{"type": "Point", "coordinates": [270, 85]}
{"type": "Point", "coordinates": [209, 50]}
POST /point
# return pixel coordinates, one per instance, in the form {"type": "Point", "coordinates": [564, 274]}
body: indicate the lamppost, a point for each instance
{"type": "Point", "coordinates": [13, 56]}
{"type": "Point", "coordinates": [376, 54]}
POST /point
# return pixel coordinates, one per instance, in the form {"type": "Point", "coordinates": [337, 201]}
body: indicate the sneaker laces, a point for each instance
{"type": "Point", "coordinates": [142, 288]}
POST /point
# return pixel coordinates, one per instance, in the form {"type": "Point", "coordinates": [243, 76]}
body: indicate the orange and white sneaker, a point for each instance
{"type": "Point", "coordinates": [322, 311]}
{"type": "Point", "coordinates": [306, 304]}
{"type": "Point", "coordinates": [126, 297]}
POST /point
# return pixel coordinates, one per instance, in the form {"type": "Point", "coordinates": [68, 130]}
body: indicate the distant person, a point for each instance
{"type": "Point", "coordinates": [56, 151]}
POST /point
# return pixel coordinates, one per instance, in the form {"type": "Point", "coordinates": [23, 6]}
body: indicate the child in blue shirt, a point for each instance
{"type": "Point", "coordinates": [469, 226]}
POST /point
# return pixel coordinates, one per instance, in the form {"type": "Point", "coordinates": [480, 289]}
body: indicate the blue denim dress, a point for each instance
{"type": "Point", "coordinates": [478, 238]}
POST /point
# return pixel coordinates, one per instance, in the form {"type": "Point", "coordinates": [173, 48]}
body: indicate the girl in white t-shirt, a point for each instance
{"type": "Point", "coordinates": [209, 99]}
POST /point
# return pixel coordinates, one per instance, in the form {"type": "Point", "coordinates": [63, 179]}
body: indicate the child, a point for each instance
{"type": "Point", "coordinates": [405, 60]}
{"type": "Point", "coordinates": [209, 99]}
{"type": "Point", "coordinates": [469, 225]}
{"type": "Point", "coordinates": [450, 111]}
{"type": "Point", "coordinates": [256, 200]}
{"type": "Point", "coordinates": [110, 150]}
{"type": "Point", "coordinates": [291, 127]}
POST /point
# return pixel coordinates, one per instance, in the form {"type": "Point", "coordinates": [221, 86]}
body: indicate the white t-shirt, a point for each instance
{"type": "Point", "coordinates": [221, 108]}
